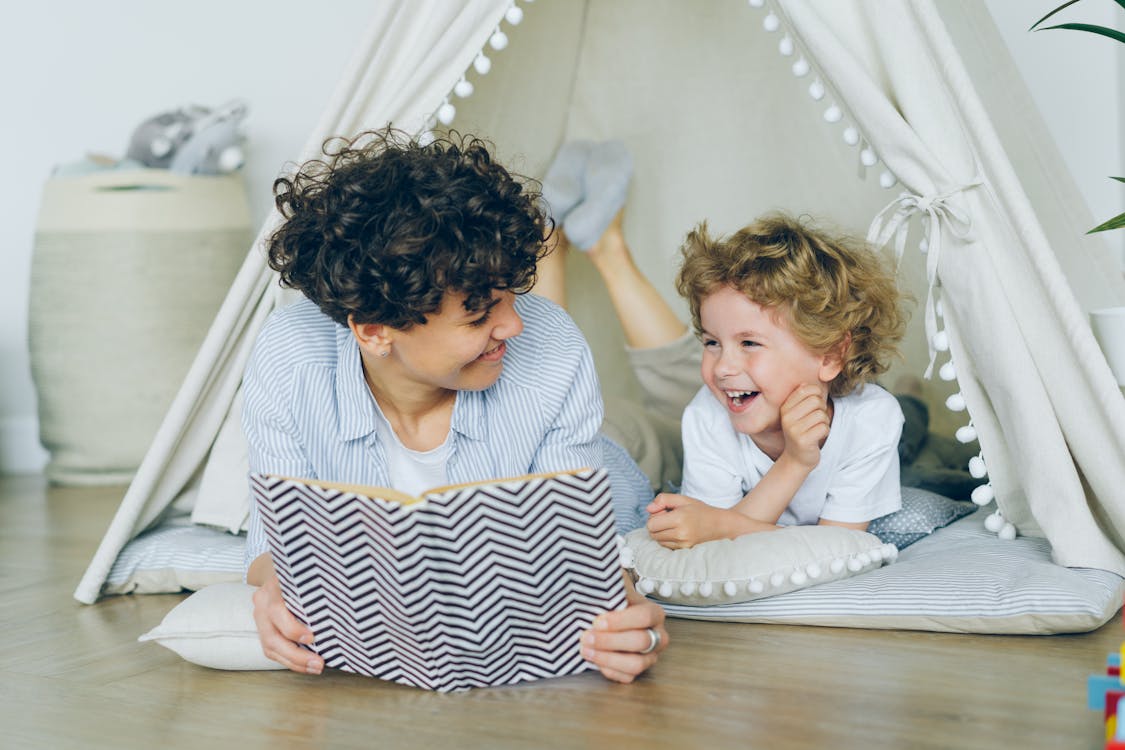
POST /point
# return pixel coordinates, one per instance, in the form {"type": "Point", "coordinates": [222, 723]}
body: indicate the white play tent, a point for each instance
{"type": "Point", "coordinates": [730, 109]}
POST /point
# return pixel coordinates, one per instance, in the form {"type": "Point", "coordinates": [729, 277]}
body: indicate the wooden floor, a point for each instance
{"type": "Point", "coordinates": [74, 676]}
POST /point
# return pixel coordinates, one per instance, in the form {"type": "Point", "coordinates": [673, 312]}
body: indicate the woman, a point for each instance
{"type": "Point", "coordinates": [416, 361]}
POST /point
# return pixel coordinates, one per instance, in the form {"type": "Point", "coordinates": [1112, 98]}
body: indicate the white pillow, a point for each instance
{"type": "Point", "coordinates": [214, 627]}
{"type": "Point", "coordinates": [753, 566]}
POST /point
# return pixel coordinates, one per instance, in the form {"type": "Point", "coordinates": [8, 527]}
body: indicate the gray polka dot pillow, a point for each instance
{"type": "Point", "coordinates": [922, 513]}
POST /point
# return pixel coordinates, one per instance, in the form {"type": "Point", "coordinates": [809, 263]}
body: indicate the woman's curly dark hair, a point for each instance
{"type": "Point", "coordinates": [384, 226]}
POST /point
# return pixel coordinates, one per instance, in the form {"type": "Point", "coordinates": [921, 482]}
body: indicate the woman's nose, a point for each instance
{"type": "Point", "coordinates": [508, 322]}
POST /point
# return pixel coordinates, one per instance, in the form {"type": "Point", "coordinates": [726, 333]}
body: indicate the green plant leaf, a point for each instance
{"type": "Point", "coordinates": [1056, 10]}
{"type": "Point", "coordinates": [1117, 222]}
{"type": "Point", "coordinates": [1119, 179]}
{"type": "Point", "coordinates": [1111, 33]}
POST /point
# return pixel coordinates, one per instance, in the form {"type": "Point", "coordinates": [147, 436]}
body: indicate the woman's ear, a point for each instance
{"type": "Point", "coordinates": [832, 361]}
{"type": "Point", "coordinates": [373, 338]}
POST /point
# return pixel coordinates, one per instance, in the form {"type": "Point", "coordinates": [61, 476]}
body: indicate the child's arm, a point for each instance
{"type": "Point", "coordinates": [805, 424]}
{"type": "Point", "coordinates": [679, 521]}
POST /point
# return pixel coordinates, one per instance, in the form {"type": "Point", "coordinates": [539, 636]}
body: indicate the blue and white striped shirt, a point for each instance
{"type": "Point", "coordinates": [308, 411]}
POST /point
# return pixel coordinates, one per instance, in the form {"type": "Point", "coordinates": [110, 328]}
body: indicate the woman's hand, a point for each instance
{"type": "Point", "coordinates": [616, 640]}
{"type": "Point", "coordinates": [278, 630]}
{"type": "Point", "coordinates": [679, 521]}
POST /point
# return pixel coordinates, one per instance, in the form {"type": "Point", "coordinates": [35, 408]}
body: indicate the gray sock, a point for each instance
{"type": "Point", "coordinates": [608, 170]}
{"type": "Point", "coordinates": [562, 185]}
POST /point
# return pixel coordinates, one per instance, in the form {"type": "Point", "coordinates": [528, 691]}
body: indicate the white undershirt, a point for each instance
{"type": "Point", "coordinates": [410, 471]}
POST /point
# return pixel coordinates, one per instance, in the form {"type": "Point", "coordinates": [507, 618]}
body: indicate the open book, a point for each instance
{"type": "Point", "coordinates": [467, 586]}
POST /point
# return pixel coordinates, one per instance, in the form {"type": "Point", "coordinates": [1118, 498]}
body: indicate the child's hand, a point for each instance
{"type": "Point", "coordinates": [679, 521]}
{"type": "Point", "coordinates": [805, 423]}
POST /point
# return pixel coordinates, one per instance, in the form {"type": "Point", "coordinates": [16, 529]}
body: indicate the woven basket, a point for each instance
{"type": "Point", "coordinates": [128, 271]}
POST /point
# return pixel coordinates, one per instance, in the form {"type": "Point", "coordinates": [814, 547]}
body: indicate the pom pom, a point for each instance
{"type": "Point", "coordinates": [816, 90]}
{"type": "Point", "coordinates": [966, 434]}
{"type": "Point", "coordinates": [426, 138]}
{"type": "Point", "coordinates": [854, 565]}
{"type": "Point", "coordinates": [1007, 532]}
{"type": "Point", "coordinates": [446, 113]}
{"type": "Point", "coordinates": [887, 180]}
{"type": "Point", "coordinates": [864, 559]}
{"type": "Point", "coordinates": [833, 114]}
{"type": "Point", "coordinates": [977, 469]}
{"type": "Point", "coordinates": [813, 570]}
{"type": "Point", "coordinates": [956, 402]}
{"type": "Point", "coordinates": [514, 15]}
{"type": "Point", "coordinates": [851, 136]}
{"type": "Point", "coordinates": [785, 46]}
{"type": "Point", "coordinates": [498, 40]}
{"type": "Point", "coordinates": [940, 341]}
{"type": "Point", "coordinates": [939, 309]}
{"type": "Point", "coordinates": [994, 522]}
{"type": "Point", "coordinates": [755, 586]}
{"type": "Point", "coordinates": [947, 372]}
{"type": "Point", "coordinates": [687, 588]}
{"type": "Point", "coordinates": [798, 578]}
{"type": "Point", "coordinates": [890, 552]}
{"type": "Point", "coordinates": [666, 590]}
{"type": "Point", "coordinates": [867, 158]}
{"type": "Point", "coordinates": [983, 494]}
{"type": "Point", "coordinates": [836, 567]}
{"type": "Point", "coordinates": [646, 586]}
{"type": "Point", "coordinates": [729, 588]}
{"type": "Point", "coordinates": [482, 64]}
{"type": "Point", "coordinates": [876, 554]}
{"type": "Point", "coordinates": [463, 88]}
{"type": "Point", "coordinates": [800, 67]}
{"type": "Point", "coordinates": [923, 246]}
{"type": "Point", "coordinates": [777, 579]}
{"type": "Point", "coordinates": [771, 23]}
{"type": "Point", "coordinates": [705, 589]}
{"type": "Point", "coordinates": [757, 3]}
{"type": "Point", "coordinates": [627, 557]}
{"type": "Point", "coordinates": [160, 146]}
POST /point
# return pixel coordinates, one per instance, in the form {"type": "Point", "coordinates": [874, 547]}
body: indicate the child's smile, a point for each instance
{"type": "Point", "coordinates": [752, 362]}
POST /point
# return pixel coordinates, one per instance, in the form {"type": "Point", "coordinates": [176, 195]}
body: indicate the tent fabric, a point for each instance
{"type": "Point", "coordinates": [1028, 368]}
{"type": "Point", "coordinates": [408, 61]}
{"type": "Point", "coordinates": [1015, 330]}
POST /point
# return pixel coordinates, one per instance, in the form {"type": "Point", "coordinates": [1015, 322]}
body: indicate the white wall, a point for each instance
{"type": "Point", "coordinates": [77, 77]}
{"type": "Point", "coordinates": [1078, 82]}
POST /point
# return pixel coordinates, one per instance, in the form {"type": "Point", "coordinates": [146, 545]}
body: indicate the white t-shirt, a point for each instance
{"type": "Point", "coordinates": [411, 471]}
{"type": "Point", "coordinates": [857, 477]}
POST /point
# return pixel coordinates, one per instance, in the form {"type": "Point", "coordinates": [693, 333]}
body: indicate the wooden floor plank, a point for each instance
{"type": "Point", "coordinates": [75, 676]}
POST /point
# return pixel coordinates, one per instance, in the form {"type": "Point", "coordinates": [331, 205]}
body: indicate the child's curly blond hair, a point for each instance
{"type": "Point", "coordinates": [834, 291]}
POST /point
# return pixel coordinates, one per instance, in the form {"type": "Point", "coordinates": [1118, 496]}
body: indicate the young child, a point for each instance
{"type": "Point", "coordinates": [789, 427]}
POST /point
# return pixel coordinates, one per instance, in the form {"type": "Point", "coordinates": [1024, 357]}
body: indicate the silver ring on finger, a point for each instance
{"type": "Point", "coordinates": [653, 641]}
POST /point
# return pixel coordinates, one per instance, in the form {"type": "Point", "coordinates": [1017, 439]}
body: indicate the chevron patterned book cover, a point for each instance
{"type": "Point", "coordinates": [467, 586]}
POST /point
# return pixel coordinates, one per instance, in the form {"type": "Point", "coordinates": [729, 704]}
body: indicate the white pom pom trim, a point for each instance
{"type": "Point", "coordinates": [977, 468]}
{"type": "Point", "coordinates": [798, 578]}
{"type": "Point", "coordinates": [757, 3]}
{"type": "Point", "coordinates": [446, 113]}
{"type": "Point", "coordinates": [730, 588]}
{"type": "Point", "coordinates": [666, 590]}
{"type": "Point", "coordinates": [514, 15]}
{"type": "Point", "coordinates": [867, 158]}
{"type": "Point", "coordinates": [755, 586]}
{"type": "Point", "coordinates": [785, 46]}
{"type": "Point", "coordinates": [966, 434]}
{"type": "Point", "coordinates": [833, 114]}
{"type": "Point", "coordinates": [955, 402]}
{"type": "Point", "coordinates": [464, 88]}
{"type": "Point", "coordinates": [851, 136]}
{"type": "Point", "coordinates": [813, 571]}
{"type": "Point", "coordinates": [498, 40]}
{"type": "Point", "coordinates": [771, 23]}
{"type": "Point", "coordinates": [687, 588]}
{"type": "Point", "coordinates": [800, 67]}
{"type": "Point", "coordinates": [887, 180]}
{"type": "Point", "coordinates": [836, 567]}
{"type": "Point", "coordinates": [1007, 532]}
{"type": "Point", "coordinates": [482, 64]}
{"type": "Point", "coordinates": [983, 494]}
{"type": "Point", "coordinates": [854, 565]}
{"type": "Point", "coordinates": [777, 579]}
{"type": "Point", "coordinates": [646, 586]}
{"type": "Point", "coordinates": [940, 341]}
{"type": "Point", "coordinates": [705, 589]}
{"type": "Point", "coordinates": [994, 522]}
{"type": "Point", "coordinates": [816, 90]}
{"type": "Point", "coordinates": [947, 372]}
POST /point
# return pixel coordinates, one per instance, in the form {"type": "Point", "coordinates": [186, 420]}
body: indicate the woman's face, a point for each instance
{"type": "Point", "coordinates": [456, 349]}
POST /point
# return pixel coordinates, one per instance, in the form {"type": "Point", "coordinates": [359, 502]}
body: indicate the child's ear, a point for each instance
{"type": "Point", "coordinates": [832, 361]}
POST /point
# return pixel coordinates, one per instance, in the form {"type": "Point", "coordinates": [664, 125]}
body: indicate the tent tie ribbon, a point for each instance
{"type": "Point", "coordinates": [937, 211]}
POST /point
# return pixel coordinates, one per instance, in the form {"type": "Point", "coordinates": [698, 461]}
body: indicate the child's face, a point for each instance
{"type": "Point", "coordinates": [752, 361]}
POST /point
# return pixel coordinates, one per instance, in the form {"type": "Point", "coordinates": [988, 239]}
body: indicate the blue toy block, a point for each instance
{"type": "Point", "coordinates": [1097, 685]}
{"type": "Point", "coordinates": [1113, 660]}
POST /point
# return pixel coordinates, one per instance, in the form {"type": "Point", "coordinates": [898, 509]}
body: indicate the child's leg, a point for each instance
{"type": "Point", "coordinates": [550, 277]}
{"type": "Point", "coordinates": [646, 318]}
